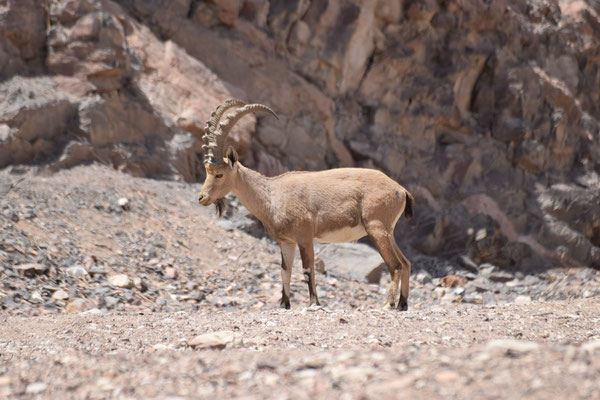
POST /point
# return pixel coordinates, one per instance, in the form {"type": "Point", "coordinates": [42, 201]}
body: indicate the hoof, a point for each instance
{"type": "Point", "coordinates": [314, 300]}
{"type": "Point", "coordinates": [403, 306]}
{"type": "Point", "coordinates": [387, 307]}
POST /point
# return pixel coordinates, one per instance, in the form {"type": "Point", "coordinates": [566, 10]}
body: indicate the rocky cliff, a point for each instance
{"type": "Point", "coordinates": [487, 111]}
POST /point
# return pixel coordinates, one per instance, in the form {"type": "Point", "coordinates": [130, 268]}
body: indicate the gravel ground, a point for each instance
{"type": "Point", "coordinates": [121, 287]}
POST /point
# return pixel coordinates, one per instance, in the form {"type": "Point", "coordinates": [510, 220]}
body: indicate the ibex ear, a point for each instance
{"type": "Point", "coordinates": [231, 156]}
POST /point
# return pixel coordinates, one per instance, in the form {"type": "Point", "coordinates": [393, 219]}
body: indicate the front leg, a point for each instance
{"type": "Point", "coordinates": [307, 253]}
{"type": "Point", "coordinates": [288, 251]}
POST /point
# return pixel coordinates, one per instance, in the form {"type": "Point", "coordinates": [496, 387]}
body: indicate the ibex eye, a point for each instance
{"type": "Point", "coordinates": [219, 176]}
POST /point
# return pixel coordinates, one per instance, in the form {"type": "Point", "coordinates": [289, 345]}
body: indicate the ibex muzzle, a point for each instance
{"type": "Point", "coordinates": [296, 208]}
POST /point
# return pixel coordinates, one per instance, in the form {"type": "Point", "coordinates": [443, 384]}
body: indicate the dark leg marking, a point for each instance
{"type": "Point", "coordinates": [313, 296]}
{"type": "Point", "coordinates": [285, 300]}
{"type": "Point", "coordinates": [402, 303]}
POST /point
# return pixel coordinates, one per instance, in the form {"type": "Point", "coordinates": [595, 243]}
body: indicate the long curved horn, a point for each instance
{"type": "Point", "coordinates": [222, 131]}
{"type": "Point", "coordinates": [210, 142]}
{"type": "Point", "coordinates": [216, 115]}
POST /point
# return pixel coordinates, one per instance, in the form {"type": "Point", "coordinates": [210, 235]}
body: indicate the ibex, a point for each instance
{"type": "Point", "coordinates": [332, 206]}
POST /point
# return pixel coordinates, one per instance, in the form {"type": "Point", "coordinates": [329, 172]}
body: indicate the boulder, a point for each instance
{"type": "Point", "coordinates": [352, 260]}
{"type": "Point", "coordinates": [216, 340]}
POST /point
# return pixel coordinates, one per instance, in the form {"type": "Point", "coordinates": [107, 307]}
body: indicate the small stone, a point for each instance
{"type": "Point", "coordinates": [35, 388]}
{"type": "Point", "coordinates": [140, 284]}
{"type": "Point", "coordinates": [226, 224]}
{"type": "Point", "coordinates": [468, 264]}
{"type": "Point", "coordinates": [522, 300]}
{"type": "Point", "coordinates": [60, 294]}
{"type": "Point", "coordinates": [76, 306]}
{"type": "Point", "coordinates": [450, 281]}
{"type": "Point", "coordinates": [447, 376]}
{"type": "Point", "coordinates": [473, 298]}
{"type": "Point", "coordinates": [5, 380]}
{"type": "Point", "coordinates": [216, 340]}
{"type": "Point", "coordinates": [171, 273]}
{"type": "Point", "coordinates": [501, 276]}
{"type": "Point", "coordinates": [486, 269]}
{"type": "Point", "coordinates": [77, 271]}
{"type": "Point", "coordinates": [36, 296]}
{"type": "Point", "coordinates": [32, 269]}
{"type": "Point", "coordinates": [89, 262]}
{"type": "Point", "coordinates": [512, 347]}
{"type": "Point", "coordinates": [120, 280]}
{"type": "Point", "coordinates": [111, 301]}
{"type": "Point", "coordinates": [423, 277]}
{"type": "Point", "coordinates": [123, 202]}
{"type": "Point", "coordinates": [160, 347]}
{"type": "Point", "coordinates": [591, 346]}
{"type": "Point", "coordinates": [488, 299]}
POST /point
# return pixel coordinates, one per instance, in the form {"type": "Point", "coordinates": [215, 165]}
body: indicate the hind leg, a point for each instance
{"type": "Point", "coordinates": [405, 276]}
{"type": "Point", "coordinates": [307, 253]}
{"type": "Point", "coordinates": [384, 241]}
{"type": "Point", "coordinates": [287, 261]}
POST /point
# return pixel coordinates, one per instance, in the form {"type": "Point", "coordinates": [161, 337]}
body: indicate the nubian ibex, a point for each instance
{"type": "Point", "coordinates": [332, 206]}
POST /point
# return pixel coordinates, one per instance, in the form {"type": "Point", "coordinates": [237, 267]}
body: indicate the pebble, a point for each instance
{"type": "Point", "coordinates": [60, 294]}
{"type": "Point", "coordinates": [111, 301]}
{"type": "Point", "coordinates": [123, 202]}
{"type": "Point", "coordinates": [36, 296]}
{"type": "Point", "coordinates": [511, 346]}
{"type": "Point", "coordinates": [139, 284]}
{"type": "Point", "coordinates": [31, 269]}
{"type": "Point", "coordinates": [77, 271]}
{"type": "Point", "coordinates": [488, 299]}
{"type": "Point", "coordinates": [120, 281]}
{"type": "Point", "coordinates": [35, 388]}
{"type": "Point", "coordinates": [468, 264]}
{"type": "Point", "coordinates": [450, 281]}
{"type": "Point", "coordinates": [447, 376]}
{"type": "Point", "coordinates": [522, 300]}
{"type": "Point", "coordinates": [423, 277]}
{"type": "Point", "coordinates": [591, 346]}
{"type": "Point", "coordinates": [486, 269]}
{"type": "Point", "coordinates": [501, 276]}
{"type": "Point", "coordinates": [171, 273]}
{"type": "Point", "coordinates": [216, 340]}
{"type": "Point", "coordinates": [76, 306]}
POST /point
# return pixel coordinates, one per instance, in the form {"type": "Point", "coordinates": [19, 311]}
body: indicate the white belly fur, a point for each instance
{"type": "Point", "coordinates": [348, 234]}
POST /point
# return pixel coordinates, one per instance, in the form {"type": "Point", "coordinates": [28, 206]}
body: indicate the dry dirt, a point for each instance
{"type": "Point", "coordinates": [67, 332]}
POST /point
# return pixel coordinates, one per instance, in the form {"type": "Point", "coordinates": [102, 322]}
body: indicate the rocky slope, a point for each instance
{"type": "Point", "coordinates": [487, 111]}
{"type": "Point", "coordinates": [90, 238]}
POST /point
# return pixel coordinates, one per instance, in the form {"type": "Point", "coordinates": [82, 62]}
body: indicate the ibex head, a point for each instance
{"type": "Point", "coordinates": [221, 162]}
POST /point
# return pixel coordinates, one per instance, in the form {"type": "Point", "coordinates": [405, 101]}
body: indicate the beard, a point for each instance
{"type": "Point", "coordinates": [220, 206]}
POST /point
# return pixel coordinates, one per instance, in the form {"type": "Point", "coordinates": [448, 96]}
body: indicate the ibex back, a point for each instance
{"type": "Point", "coordinates": [296, 208]}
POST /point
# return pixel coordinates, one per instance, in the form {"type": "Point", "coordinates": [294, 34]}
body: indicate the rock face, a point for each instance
{"type": "Point", "coordinates": [486, 111]}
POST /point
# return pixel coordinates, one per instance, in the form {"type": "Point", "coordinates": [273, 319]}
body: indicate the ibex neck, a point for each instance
{"type": "Point", "coordinates": [254, 192]}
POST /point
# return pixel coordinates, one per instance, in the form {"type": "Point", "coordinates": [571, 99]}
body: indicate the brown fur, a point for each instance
{"type": "Point", "coordinates": [298, 207]}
